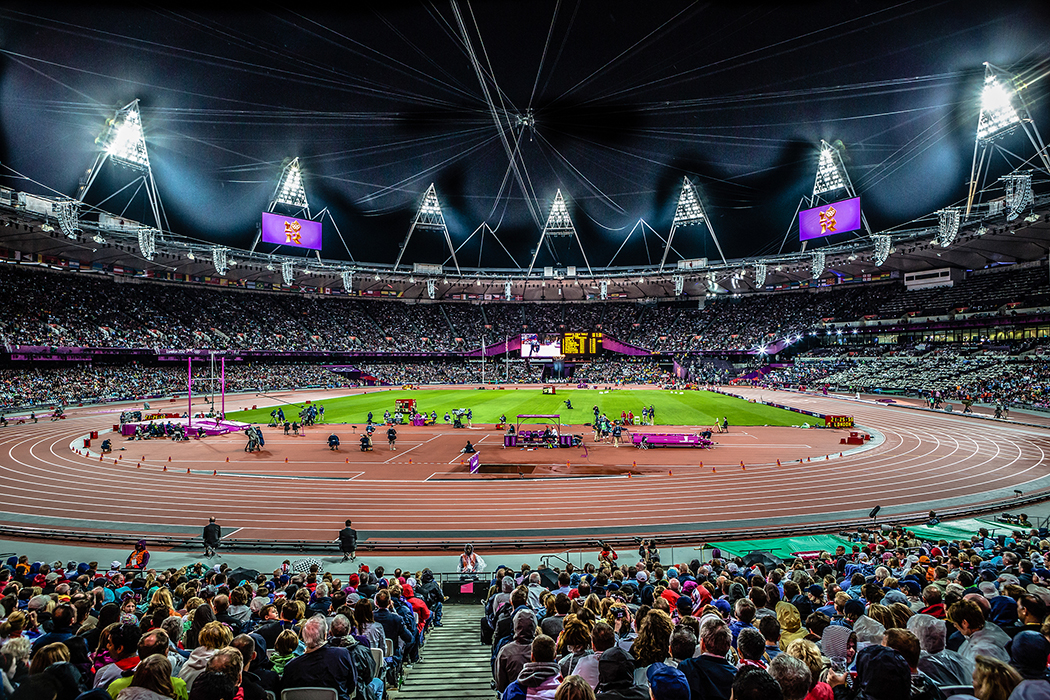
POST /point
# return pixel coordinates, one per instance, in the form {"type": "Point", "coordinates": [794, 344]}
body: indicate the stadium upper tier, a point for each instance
{"type": "Point", "coordinates": [50, 308]}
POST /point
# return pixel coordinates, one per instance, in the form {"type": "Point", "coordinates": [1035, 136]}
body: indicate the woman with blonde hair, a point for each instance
{"type": "Point", "coordinates": [993, 679]}
{"type": "Point", "coordinates": [809, 653]}
{"type": "Point", "coordinates": [152, 681]}
{"type": "Point", "coordinates": [162, 600]}
{"type": "Point", "coordinates": [574, 688]}
{"type": "Point", "coordinates": [212, 637]}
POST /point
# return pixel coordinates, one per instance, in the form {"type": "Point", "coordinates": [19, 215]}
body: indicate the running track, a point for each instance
{"type": "Point", "coordinates": [924, 461]}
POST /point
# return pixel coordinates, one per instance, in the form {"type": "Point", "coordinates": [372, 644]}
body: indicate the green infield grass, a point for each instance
{"type": "Point", "coordinates": [694, 408]}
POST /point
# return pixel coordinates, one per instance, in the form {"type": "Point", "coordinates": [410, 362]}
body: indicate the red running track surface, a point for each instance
{"type": "Point", "coordinates": [921, 460]}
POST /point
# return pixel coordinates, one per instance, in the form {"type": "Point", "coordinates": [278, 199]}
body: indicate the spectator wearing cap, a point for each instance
{"type": "Point", "coordinates": [1028, 654]}
{"type": "Point", "coordinates": [968, 619]}
{"type": "Point", "coordinates": [667, 683]}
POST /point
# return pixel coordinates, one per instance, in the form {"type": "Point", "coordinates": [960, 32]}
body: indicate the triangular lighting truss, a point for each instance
{"type": "Point", "coordinates": [123, 141]}
{"type": "Point", "coordinates": [1003, 111]}
{"type": "Point", "coordinates": [689, 212]}
{"type": "Point", "coordinates": [290, 191]}
{"type": "Point", "coordinates": [559, 225]}
{"type": "Point", "coordinates": [429, 218]}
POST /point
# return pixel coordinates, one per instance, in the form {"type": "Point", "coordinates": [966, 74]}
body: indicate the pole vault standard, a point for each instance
{"type": "Point", "coordinates": [212, 379]}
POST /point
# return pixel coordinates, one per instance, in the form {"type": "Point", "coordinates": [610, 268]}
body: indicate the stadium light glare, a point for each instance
{"type": "Point", "coordinates": [124, 141]}
{"type": "Point", "coordinates": [689, 210]}
{"type": "Point", "coordinates": [829, 171]}
{"type": "Point", "coordinates": [998, 115]}
{"type": "Point", "coordinates": [290, 189]}
{"type": "Point", "coordinates": [191, 256]}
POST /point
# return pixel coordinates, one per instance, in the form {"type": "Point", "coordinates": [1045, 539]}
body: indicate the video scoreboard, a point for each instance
{"type": "Point", "coordinates": [581, 343]}
{"type": "Point", "coordinates": [561, 344]}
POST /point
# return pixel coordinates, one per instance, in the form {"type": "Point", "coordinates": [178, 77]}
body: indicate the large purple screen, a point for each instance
{"type": "Point", "coordinates": [288, 230]}
{"type": "Point", "coordinates": [829, 219]}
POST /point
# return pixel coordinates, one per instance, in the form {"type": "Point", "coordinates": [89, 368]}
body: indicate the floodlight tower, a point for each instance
{"type": "Point", "coordinates": [690, 211]}
{"type": "Point", "coordinates": [290, 191]}
{"type": "Point", "coordinates": [428, 218]}
{"type": "Point", "coordinates": [123, 141]}
{"type": "Point", "coordinates": [831, 176]}
{"type": "Point", "coordinates": [559, 225]}
{"type": "Point", "coordinates": [1003, 110]}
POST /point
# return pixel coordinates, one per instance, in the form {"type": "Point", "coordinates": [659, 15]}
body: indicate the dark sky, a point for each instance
{"type": "Point", "coordinates": [627, 98]}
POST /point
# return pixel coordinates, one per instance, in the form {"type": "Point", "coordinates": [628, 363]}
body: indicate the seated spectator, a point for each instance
{"type": "Point", "coordinates": [792, 675]}
{"type": "Point", "coordinates": [751, 649]}
{"type": "Point", "coordinates": [667, 683]}
{"type": "Point", "coordinates": [322, 665]}
{"type": "Point", "coordinates": [516, 653]}
{"type": "Point", "coordinates": [152, 681]}
{"type": "Point", "coordinates": [539, 678]}
{"type": "Point", "coordinates": [153, 643]}
{"type": "Point", "coordinates": [212, 637]}
{"type": "Point", "coordinates": [907, 645]}
{"type": "Point", "coordinates": [968, 619]}
{"type": "Point", "coordinates": [602, 639]}
{"type": "Point", "coordinates": [753, 683]}
{"type": "Point", "coordinates": [123, 647]}
{"type": "Point", "coordinates": [285, 649]}
{"type": "Point", "coordinates": [710, 675]}
{"type": "Point", "coordinates": [942, 665]}
{"type": "Point", "coordinates": [807, 652]}
{"type": "Point", "coordinates": [616, 677]}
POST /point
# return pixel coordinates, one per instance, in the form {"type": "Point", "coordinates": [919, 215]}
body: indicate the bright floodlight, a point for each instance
{"type": "Point", "coordinates": [430, 215]}
{"type": "Point", "coordinates": [124, 141]}
{"type": "Point", "coordinates": [689, 210]}
{"type": "Point", "coordinates": [998, 116]}
{"type": "Point", "coordinates": [559, 223]}
{"type": "Point", "coordinates": [829, 171]}
{"type": "Point", "coordinates": [290, 190]}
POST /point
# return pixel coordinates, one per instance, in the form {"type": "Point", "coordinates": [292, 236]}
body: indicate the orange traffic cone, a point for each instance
{"type": "Point", "coordinates": [100, 458]}
{"type": "Point", "coordinates": [169, 458]}
{"type": "Point", "coordinates": [227, 460]}
{"type": "Point", "coordinates": [139, 465]}
{"type": "Point", "coordinates": [778, 462]}
{"type": "Point", "coordinates": [187, 471]}
{"type": "Point", "coordinates": [669, 473]}
{"type": "Point", "coordinates": [214, 472]}
{"type": "Point", "coordinates": [713, 470]}
{"type": "Point", "coordinates": [628, 475]}
{"type": "Point", "coordinates": [165, 468]}
{"type": "Point", "coordinates": [286, 460]}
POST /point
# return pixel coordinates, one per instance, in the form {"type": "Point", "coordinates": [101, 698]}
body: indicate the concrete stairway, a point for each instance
{"type": "Point", "coordinates": [455, 663]}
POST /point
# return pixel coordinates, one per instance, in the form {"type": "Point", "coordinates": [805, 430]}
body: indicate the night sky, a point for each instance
{"type": "Point", "coordinates": [627, 98]}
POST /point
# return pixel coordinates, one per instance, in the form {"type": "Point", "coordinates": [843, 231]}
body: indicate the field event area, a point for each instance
{"type": "Point", "coordinates": [685, 408]}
